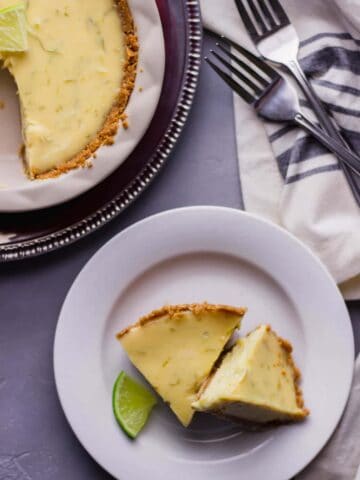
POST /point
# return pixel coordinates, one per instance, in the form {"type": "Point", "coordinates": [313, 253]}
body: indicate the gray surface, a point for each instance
{"type": "Point", "coordinates": [35, 439]}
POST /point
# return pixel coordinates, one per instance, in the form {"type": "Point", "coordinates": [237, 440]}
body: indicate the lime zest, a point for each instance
{"type": "Point", "coordinates": [132, 404]}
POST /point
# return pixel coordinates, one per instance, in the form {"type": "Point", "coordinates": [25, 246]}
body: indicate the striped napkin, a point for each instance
{"type": "Point", "coordinates": [287, 176]}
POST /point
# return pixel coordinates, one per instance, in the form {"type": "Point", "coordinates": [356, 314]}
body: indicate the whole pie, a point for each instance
{"type": "Point", "coordinates": [74, 81]}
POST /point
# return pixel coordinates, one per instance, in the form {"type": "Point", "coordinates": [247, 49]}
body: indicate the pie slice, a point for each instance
{"type": "Point", "coordinates": [176, 347]}
{"type": "Point", "coordinates": [74, 80]}
{"type": "Point", "coordinates": [257, 381]}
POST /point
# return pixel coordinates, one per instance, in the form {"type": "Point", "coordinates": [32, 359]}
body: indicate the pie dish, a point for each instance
{"type": "Point", "coordinates": [73, 88]}
{"type": "Point", "coordinates": [176, 347]}
{"type": "Point", "coordinates": [257, 381]}
{"type": "Point", "coordinates": [19, 194]}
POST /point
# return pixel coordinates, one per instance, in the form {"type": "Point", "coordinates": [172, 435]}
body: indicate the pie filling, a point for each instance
{"type": "Point", "coordinates": [74, 81]}
{"type": "Point", "coordinates": [175, 348]}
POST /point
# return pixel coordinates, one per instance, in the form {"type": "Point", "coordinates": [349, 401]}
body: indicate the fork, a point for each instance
{"type": "Point", "coordinates": [272, 97]}
{"type": "Point", "coordinates": [276, 39]}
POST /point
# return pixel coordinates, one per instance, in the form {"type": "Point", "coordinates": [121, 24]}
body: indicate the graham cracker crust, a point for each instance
{"type": "Point", "coordinates": [174, 310]}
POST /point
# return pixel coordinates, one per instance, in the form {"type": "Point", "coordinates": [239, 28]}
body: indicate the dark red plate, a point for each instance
{"type": "Point", "coordinates": [35, 233]}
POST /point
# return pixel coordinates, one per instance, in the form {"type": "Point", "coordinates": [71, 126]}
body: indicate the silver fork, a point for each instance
{"type": "Point", "coordinates": [276, 39]}
{"type": "Point", "coordinates": [272, 97]}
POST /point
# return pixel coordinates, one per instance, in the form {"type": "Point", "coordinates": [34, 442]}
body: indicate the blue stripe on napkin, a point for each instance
{"type": "Point", "coordinates": [336, 62]}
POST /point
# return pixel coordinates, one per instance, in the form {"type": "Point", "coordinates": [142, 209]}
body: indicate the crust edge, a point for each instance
{"type": "Point", "coordinates": [172, 310]}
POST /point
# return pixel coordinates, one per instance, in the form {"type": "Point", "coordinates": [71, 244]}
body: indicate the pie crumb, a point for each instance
{"type": "Point", "coordinates": [124, 121]}
{"type": "Point", "coordinates": [2, 104]}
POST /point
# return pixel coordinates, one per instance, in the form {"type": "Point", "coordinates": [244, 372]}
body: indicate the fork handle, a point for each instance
{"type": "Point", "coordinates": [348, 157]}
{"type": "Point", "coordinates": [324, 119]}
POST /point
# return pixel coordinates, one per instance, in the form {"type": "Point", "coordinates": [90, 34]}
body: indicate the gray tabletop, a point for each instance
{"type": "Point", "coordinates": [36, 442]}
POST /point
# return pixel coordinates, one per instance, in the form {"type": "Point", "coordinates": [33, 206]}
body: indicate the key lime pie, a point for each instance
{"type": "Point", "coordinates": [183, 352]}
{"type": "Point", "coordinates": [176, 347]}
{"type": "Point", "coordinates": [257, 381]}
{"type": "Point", "coordinates": [74, 79]}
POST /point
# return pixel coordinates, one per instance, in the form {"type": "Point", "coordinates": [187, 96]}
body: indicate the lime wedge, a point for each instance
{"type": "Point", "coordinates": [13, 34]}
{"type": "Point", "coordinates": [132, 404]}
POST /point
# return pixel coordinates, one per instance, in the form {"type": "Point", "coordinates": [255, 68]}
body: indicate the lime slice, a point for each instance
{"type": "Point", "coordinates": [13, 34]}
{"type": "Point", "coordinates": [132, 404]}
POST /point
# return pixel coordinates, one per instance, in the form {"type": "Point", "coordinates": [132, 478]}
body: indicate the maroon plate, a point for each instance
{"type": "Point", "coordinates": [35, 233]}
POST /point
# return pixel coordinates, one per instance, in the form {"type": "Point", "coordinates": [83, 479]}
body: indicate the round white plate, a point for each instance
{"type": "Point", "coordinates": [190, 255]}
{"type": "Point", "coordinates": [18, 193]}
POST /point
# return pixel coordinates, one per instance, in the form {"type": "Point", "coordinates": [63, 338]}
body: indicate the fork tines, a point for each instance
{"type": "Point", "coordinates": [253, 75]}
{"type": "Point", "coordinates": [262, 17]}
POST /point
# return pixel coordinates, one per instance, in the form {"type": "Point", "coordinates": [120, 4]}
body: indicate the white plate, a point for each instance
{"type": "Point", "coordinates": [18, 193]}
{"type": "Point", "coordinates": [189, 255]}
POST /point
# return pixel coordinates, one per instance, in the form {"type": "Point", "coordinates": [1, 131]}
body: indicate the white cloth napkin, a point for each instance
{"type": "Point", "coordinates": [285, 175]}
